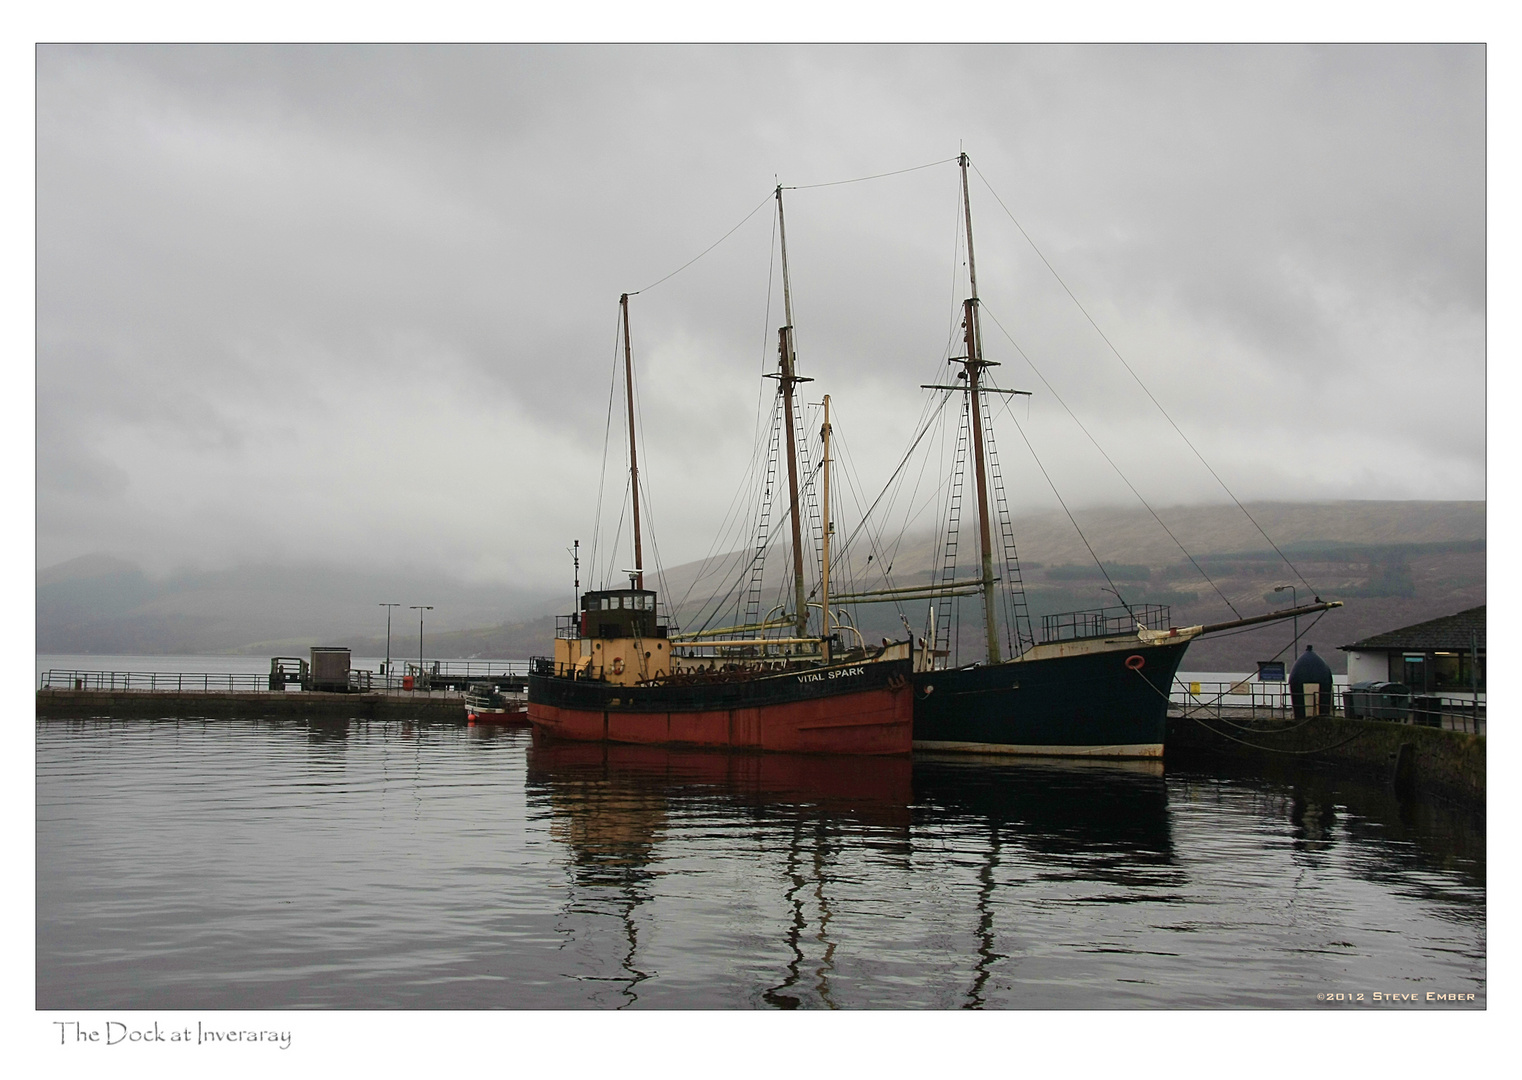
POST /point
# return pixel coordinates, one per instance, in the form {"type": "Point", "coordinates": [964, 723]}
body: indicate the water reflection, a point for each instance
{"type": "Point", "coordinates": [1053, 805]}
{"type": "Point", "coordinates": [200, 864]}
{"type": "Point", "coordinates": [876, 791]}
{"type": "Point", "coordinates": [1048, 822]}
{"type": "Point", "coordinates": [1358, 823]}
{"type": "Point", "coordinates": [611, 806]}
{"type": "Point", "coordinates": [621, 812]}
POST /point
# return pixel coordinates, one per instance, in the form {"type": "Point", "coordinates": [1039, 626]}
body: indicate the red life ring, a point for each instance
{"type": "Point", "coordinates": [1136, 661]}
{"type": "Point", "coordinates": [618, 665]}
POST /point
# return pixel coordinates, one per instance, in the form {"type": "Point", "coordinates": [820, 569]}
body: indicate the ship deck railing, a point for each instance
{"type": "Point", "coordinates": [546, 665]}
{"type": "Point", "coordinates": [1104, 622]}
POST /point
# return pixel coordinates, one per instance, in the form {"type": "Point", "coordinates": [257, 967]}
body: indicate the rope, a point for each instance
{"type": "Point", "coordinates": [1276, 750]}
{"type": "Point", "coordinates": [924, 430]}
{"type": "Point", "coordinates": [706, 250]}
{"type": "Point", "coordinates": [1115, 588]}
{"type": "Point", "coordinates": [607, 430]}
{"type": "Point", "coordinates": [769, 196]}
{"type": "Point", "coordinates": [874, 176]}
{"type": "Point", "coordinates": [1112, 464]}
{"type": "Point", "coordinates": [1266, 749]}
{"type": "Point", "coordinates": [1143, 385]}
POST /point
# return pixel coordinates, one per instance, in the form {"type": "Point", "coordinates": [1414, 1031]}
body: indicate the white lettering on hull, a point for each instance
{"type": "Point", "coordinates": [835, 673]}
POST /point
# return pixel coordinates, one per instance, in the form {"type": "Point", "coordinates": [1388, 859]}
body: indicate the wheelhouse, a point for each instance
{"type": "Point", "coordinates": [620, 613]}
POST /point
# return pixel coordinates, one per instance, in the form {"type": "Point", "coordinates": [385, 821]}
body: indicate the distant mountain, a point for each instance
{"type": "Point", "coordinates": [101, 604]}
{"type": "Point", "coordinates": [1393, 563]}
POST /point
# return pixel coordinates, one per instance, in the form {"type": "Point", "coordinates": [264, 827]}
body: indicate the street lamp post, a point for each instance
{"type": "Point", "coordinates": [387, 669]}
{"type": "Point", "coordinates": [420, 608]}
{"type": "Point", "coordinates": [1294, 599]}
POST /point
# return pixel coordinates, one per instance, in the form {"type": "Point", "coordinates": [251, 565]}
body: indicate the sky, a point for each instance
{"type": "Point", "coordinates": [358, 305]}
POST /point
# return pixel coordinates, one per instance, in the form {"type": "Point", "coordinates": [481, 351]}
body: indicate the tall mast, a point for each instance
{"type": "Point", "coordinates": [973, 365]}
{"type": "Point", "coordinates": [639, 562]}
{"type": "Point", "coordinates": [824, 560]}
{"type": "Point", "coordinates": [788, 377]}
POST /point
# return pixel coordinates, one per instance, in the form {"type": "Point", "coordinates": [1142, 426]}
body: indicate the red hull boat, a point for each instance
{"type": "Point", "coordinates": [861, 708]}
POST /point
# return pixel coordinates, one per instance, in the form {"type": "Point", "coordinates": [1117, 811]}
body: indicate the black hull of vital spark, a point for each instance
{"type": "Point", "coordinates": [1087, 705]}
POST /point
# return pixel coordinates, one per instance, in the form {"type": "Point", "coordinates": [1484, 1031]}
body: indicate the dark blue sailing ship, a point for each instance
{"type": "Point", "coordinates": [1095, 684]}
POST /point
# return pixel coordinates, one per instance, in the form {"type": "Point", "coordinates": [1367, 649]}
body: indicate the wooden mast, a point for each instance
{"type": "Point", "coordinates": [824, 560]}
{"type": "Point", "coordinates": [639, 562]}
{"type": "Point", "coordinates": [973, 365]}
{"type": "Point", "coordinates": [788, 377]}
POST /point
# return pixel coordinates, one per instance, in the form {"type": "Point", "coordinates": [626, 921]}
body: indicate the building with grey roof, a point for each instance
{"type": "Point", "coordinates": [1432, 657]}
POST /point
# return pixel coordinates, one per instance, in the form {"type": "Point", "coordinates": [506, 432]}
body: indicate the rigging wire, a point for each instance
{"type": "Point", "coordinates": [623, 508]}
{"type": "Point", "coordinates": [1111, 461]}
{"type": "Point", "coordinates": [640, 420]}
{"type": "Point", "coordinates": [706, 250]}
{"type": "Point", "coordinates": [924, 430]}
{"type": "Point", "coordinates": [874, 176]}
{"type": "Point", "coordinates": [722, 601]}
{"type": "Point", "coordinates": [1139, 382]}
{"type": "Point", "coordinates": [737, 555]}
{"type": "Point", "coordinates": [856, 489]}
{"type": "Point", "coordinates": [931, 412]}
{"type": "Point", "coordinates": [725, 528]}
{"type": "Point", "coordinates": [766, 326]}
{"type": "Point", "coordinates": [606, 432]}
{"type": "Point", "coordinates": [1114, 587]}
{"type": "Point", "coordinates": [651, 532]}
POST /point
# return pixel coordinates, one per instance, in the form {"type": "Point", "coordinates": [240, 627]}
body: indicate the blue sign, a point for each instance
{"type": "Point", "coordinates": [1270, 670]}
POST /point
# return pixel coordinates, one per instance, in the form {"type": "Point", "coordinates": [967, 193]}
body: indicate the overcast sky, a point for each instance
{"type": "Point", "coordinates": [358, 304]}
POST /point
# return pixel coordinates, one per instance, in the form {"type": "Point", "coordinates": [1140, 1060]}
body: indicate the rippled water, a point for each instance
{"type": "Point", "coordinates": [229, 864]}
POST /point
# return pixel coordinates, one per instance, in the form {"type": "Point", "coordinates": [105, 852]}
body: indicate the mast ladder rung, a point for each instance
{"type": "Point", "coordinates": [1017, 610]}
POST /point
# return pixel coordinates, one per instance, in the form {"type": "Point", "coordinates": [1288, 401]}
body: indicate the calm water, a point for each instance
{"type": "Point", "coordinates": [227, 864]}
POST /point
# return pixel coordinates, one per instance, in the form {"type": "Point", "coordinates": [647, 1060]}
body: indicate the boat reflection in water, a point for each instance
{"type": "Point", "coordinates": [1066, 806]}
{"type": "Point", "coordinates": [1084, 820]}
{"type": "Point", "coordinates": [833, 856]}
{"type": "Point", "coordinates": [615, 806]}
{"type": "Point", "coordinates": [874, 789]}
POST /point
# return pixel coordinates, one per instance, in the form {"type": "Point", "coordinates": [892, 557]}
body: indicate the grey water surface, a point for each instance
{"type": "Point", "coordinates": [186, 864]}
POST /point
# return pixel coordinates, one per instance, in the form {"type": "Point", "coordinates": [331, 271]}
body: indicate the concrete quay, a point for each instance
{"type": "Point", "coordinates": [447, 706]}
{"type": "Point", "coordinates": [1411, 757]}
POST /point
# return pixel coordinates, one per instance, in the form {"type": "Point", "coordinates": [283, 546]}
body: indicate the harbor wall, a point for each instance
{"type": "Point", "coordinates": [1414, 758]}
{"type": "Point", "coordinates": [231, 705]}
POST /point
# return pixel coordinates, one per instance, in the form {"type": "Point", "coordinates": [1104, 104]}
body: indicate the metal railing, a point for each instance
{"type": "Point", "coordinates": [182, 682]}
{"type": "Point", "coordinates": [1249, 699]}
{"type": "Point", "coordinates": [546, 665]}
{"type": "Point", "coordinates": [360, 681]}
{"type": "Point", "coordinates": [1104, 622]}
{"type": "Point", "coordinates": [477, 669]}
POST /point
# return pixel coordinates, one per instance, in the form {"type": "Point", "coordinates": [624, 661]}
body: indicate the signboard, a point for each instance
{"type": "Point", "coordinates": [1270, 670]}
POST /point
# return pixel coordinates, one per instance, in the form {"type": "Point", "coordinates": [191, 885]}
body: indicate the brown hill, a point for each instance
{"type": "Point", "coordinates": [1392, 563]}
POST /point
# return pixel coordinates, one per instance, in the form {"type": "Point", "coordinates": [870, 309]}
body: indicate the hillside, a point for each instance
{"type": "Point", "coordinates": [99, 604]}
{"type": "Point", "coordinates": [1392, 563]}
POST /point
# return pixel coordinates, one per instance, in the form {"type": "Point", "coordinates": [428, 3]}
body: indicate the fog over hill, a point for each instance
{"type": "Point", "coordinates": [1393, 563]}
{"type": "Point", "coordinates": [101, 604]}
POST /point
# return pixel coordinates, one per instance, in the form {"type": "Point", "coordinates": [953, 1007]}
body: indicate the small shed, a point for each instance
{"type": "Point", "coordinates": [330, 668]}
{"type": "Point", "coordinates": [1432, 657]}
